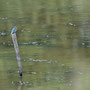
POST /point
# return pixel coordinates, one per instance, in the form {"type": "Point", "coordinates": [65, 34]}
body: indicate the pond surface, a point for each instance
{"type": "Point", "coordinates": [54, 43]}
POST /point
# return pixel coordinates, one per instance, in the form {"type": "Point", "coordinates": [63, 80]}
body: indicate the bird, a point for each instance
{"type": "Point", "coordinates": [14, 30]}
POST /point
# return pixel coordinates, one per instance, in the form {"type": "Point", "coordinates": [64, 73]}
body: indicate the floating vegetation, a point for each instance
{"type": "Point", "coordinates": [34, 73]}
{"type": "Point", "coordinates": [3, 18]}
{"type": "Point", "coordinates": [72, 24]}
{"type": "Point", "coordinates": [35, 43]}
{"type": "Point", "coordinates": [27, 83]}
{"type": "Point", "coordinates": [2, 34]}
{"type": "Point", "coordinates": [29, 43]}
{"type": "Point", "coordinates": [40, 60]}
{"type": "Point", "coordinates": [7, 44]}
{"type": "Point", "coordinates": [34, 60]}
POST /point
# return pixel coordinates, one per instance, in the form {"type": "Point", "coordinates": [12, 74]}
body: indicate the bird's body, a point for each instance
{"type": "Point", "coordinates": [14, 30]}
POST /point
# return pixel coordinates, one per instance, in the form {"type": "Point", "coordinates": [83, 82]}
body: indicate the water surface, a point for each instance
{"type": "Point", "coordinates": [54, 43]}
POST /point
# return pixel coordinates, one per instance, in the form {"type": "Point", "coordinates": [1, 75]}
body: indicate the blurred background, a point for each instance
{"type": "Point", "coordinates": [54, 43]}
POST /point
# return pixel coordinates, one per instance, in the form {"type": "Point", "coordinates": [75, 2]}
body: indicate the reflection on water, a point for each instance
{"type": "Point", "coordinates": [19, 87]}
{"type": "Point", "coordinates": [54, 42]}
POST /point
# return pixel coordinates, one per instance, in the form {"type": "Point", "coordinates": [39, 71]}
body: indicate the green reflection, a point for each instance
{"type": "Point", "coordinates": [54, 41]}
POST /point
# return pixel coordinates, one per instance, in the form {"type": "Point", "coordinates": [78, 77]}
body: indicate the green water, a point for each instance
{"type": "Point", "coordinates": [54, 43]}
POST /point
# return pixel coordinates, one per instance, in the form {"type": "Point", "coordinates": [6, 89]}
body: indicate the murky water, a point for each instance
{"type": "Point", "coordinates": [54, 43]}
